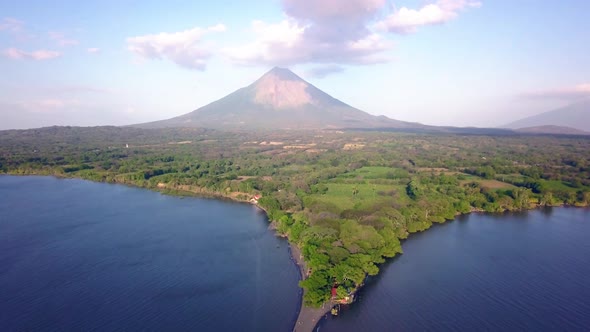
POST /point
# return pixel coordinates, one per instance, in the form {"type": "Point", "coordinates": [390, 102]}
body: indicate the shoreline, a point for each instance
{"type": "Point", "coordinates": [307, 318]}
{"type": "Point", "coordinates": [178, 192]}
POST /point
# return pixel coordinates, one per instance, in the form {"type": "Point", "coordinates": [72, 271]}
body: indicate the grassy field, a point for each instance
{"type": "Point", "coordinates": [495, 184]}
{"type": "Point", "coordinates": [488, 184]}
{"type": "Point", "coordinates": [375, 172]}
{"type": "Point", "coordinates": [341, 195]}
{"type": "Point", "coordinates": [364, 188]}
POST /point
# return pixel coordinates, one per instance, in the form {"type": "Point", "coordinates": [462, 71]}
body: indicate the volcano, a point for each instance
{"type": "Point", "coordinates": [279, 100]}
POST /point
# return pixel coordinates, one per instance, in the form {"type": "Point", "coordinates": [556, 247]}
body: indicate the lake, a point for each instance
{"type": "Point", "coordinates": [527, 271]}
{"type": "Point", "coordinates": [83, 256]}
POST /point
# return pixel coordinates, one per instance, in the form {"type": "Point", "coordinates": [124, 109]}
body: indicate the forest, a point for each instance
{"type": "Point", "coordinates": [345, 198]}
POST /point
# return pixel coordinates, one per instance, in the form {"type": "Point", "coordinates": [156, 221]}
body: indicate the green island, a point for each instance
{"type": "Point", "coordinates": [344, 199]}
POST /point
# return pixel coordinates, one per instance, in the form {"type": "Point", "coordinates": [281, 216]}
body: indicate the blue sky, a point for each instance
{"type": "Point", "coordinates": [440, 62]}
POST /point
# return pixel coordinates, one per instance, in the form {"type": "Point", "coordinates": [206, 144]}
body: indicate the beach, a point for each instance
{"type": "Point", "coordinates": [308, 317]}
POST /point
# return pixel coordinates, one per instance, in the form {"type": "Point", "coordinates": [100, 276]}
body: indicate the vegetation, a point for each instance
{"type": "Point", "coordinates": [345, 198]}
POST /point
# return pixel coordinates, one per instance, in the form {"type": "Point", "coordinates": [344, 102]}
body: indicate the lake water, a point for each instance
{"type": "Point", "coordinates": [510, 272]}
{"type": "Point", "coordinates": [83, 256]}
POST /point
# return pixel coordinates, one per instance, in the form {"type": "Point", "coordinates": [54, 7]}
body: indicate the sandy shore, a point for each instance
{"type": "Point", "coordinates": [308, 317]}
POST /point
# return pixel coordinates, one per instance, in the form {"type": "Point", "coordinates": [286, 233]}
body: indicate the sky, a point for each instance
{"type": "Point", "coordinates": [439, 62]}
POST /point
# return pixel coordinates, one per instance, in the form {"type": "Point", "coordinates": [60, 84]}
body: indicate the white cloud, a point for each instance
{"type": "Point", "coordinates": [288, 43]}
{"type": "Point", "coordinates": [182, 48]}
{"type": "Point", "coordinates": [406, 20]}
{"type": "Point", "coordinates": [61, 39]}
{"type": "Point", "coordinates": [93, 50]}
{"type": "Point", "coordinates": [573, 92]}
{"type": "Point", "coordinates": [273, 45]}
{"type": "Point", "coordinates": [316, 31]}
{"type": "Point", "coordinates": [17, 54]}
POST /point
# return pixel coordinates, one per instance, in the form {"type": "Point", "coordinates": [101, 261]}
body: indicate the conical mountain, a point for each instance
{"type": "Point", "coordinates": [279, 100]}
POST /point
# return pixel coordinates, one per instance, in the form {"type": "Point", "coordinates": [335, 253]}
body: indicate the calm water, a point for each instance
{"type": "Point", "coordinates": [510, 272]}
{"type": "Point", "coordinates": [82, 256]}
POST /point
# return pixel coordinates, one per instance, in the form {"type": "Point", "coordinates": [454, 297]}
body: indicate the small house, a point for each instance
{"type": "Point", "coordinates": [254, 199]}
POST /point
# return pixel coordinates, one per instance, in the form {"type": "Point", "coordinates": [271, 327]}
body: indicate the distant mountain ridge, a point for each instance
{"type": "Point", "coordinates": [280, 100]}
{"type": "Point", "coordinates": [556, 130]}
{"type": "Point", "coordinates": [576, 116]}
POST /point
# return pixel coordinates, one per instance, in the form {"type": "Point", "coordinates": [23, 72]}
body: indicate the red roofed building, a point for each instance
{"type": "Point", "coordinates": [255, 199]}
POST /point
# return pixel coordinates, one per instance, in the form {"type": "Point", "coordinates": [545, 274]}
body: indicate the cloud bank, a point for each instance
{"type": "Point", "coordinates": [334, 32]}
{"type": "Point", "coordinates": [183, 48]}
{"type": "Point", "coordinates": [38, 55]}
{"type": "Point", "coordinates": [326, 31]}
